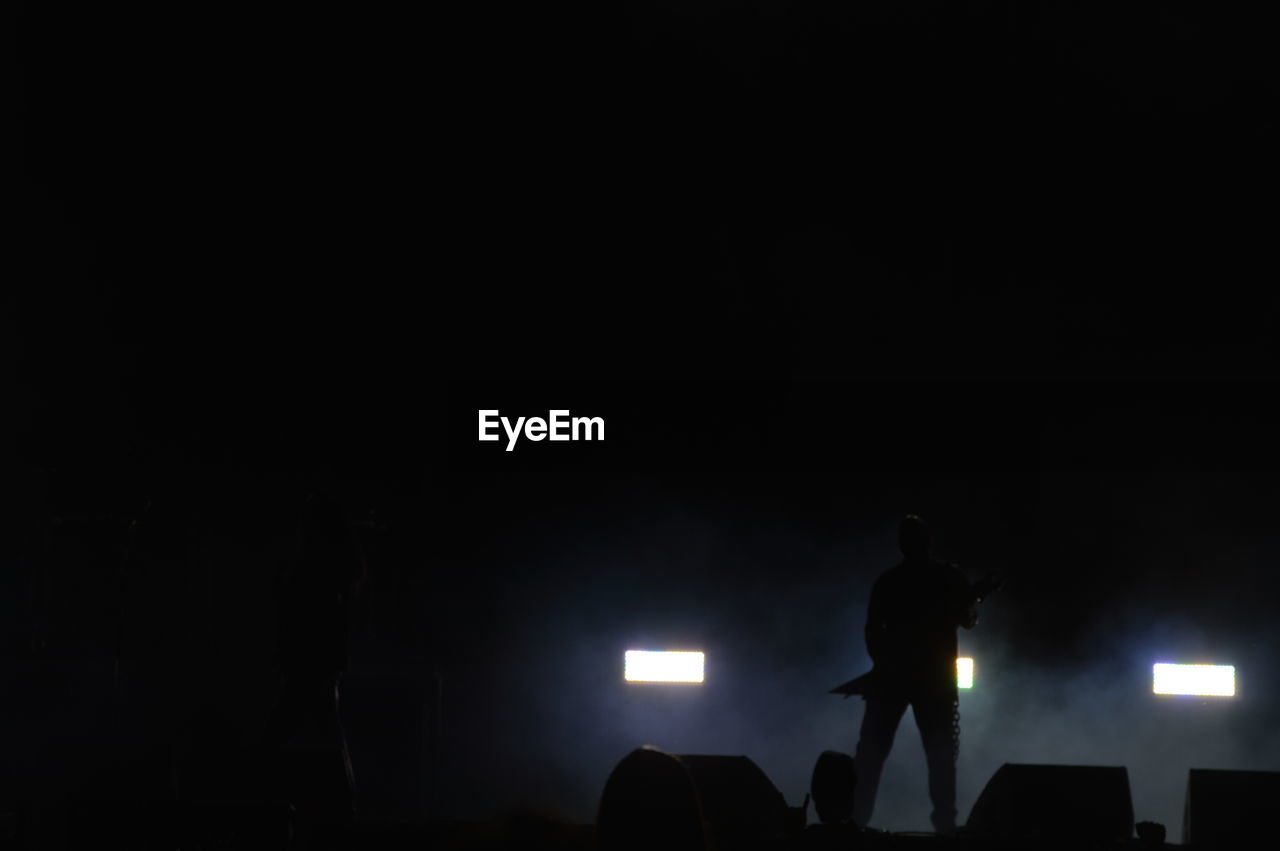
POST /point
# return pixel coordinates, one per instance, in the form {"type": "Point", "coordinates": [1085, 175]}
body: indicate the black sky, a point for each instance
{"type": "Point", "coordinates": [1007, 265]}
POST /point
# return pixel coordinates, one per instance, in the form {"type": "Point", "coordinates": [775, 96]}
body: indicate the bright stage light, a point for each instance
{"type": "Point", "coordinates": [1206, 680]}
{"type": "Point", "coordinates": [964, 672]}
{"type": "Point", "coordinates": [663, 666]}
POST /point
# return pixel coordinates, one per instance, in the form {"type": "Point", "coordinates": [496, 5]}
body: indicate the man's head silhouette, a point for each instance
{"type": "Point", "coordinates": [913, 538]}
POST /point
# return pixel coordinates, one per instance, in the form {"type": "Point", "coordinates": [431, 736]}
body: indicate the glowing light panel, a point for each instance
{"type": "Point", "coordinates": [964, 672]}
{"type": "Point", "coordinates": [663, 666]}
{"type": "Point", "coordinates": [1208, 680]}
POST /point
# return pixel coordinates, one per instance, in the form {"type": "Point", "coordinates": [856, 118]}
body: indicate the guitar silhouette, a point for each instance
{"type": "Point", "coordinates": [866, 682]}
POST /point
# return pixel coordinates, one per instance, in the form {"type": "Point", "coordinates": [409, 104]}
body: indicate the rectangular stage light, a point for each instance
{"type": "Point", "coordinates": [964, 672]}
{"type": "Point", "coordinates": [663, 666]}
{"type": "Point", "coordinates": [1206, 680]}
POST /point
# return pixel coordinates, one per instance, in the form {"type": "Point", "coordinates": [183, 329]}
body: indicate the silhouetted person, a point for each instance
{"type": "Point", "coordinates": [912, 617]}
{"type": "Point", "coordinates": [313, 602]}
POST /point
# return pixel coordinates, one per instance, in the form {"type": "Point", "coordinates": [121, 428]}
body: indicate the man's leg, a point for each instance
{"type": "Point", "coordinates": [939, 724]}
{"type": "Point", "coordinates": [879, 724]}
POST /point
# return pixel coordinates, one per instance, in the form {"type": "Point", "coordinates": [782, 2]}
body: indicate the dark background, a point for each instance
{"type": "Point", "coordinates": [1017, 250]}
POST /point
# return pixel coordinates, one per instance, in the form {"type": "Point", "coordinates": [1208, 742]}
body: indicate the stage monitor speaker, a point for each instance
{"type": "Point", "coordinates": [1088, 802]}
{"type": "Point", "coordinates": [1229, 807]}
{"type": "Point", "coordinates": [688, 802]}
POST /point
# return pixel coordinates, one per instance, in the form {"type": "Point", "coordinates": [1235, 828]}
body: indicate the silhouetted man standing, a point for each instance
{"type": "Point", "coordinates": [912, 618]}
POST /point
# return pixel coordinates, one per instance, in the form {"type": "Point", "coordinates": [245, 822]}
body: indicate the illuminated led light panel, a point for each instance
{"type": "Point", "coordinates": [964, 672]}
{"type": "Point", "coordinates": [663, 666]}
{"type": "Point", "coordinates": [1208, 680]}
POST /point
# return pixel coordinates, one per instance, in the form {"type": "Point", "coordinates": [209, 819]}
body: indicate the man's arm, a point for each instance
{"type": "Point", "coordinates": [964, 600]}
{"type": "Point", "coordinates": [972, 594]}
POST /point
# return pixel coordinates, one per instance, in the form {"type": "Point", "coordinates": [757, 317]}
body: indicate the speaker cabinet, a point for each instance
{"type": "Point", "coordinates": [1229, 807]}
{"type": "Point", "coordinates": [1054, 802]}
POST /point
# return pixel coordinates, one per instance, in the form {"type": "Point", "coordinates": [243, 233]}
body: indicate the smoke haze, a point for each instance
{"type": "Point", "coordinates": [777, 601]}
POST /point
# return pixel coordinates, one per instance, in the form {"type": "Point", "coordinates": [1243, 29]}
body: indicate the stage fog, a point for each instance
{"type": "Point", "coordinates": [769, 576]}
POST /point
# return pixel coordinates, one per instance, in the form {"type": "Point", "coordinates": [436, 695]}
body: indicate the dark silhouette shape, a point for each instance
{"type": "Point", "coordinates": [650, 801]}
{"type": "Point", "coordinates": [693, 802]}
{"type": "Point", "coordinates": [1226, 809]}
{"type": "Point", "coordinates": [1067, 804]}
{"type": "Point", "coordinates": [912, 617]}
{"type": "Point", "coordinates": [1151, 833]}
{"type": "Point", "coordinates": [832, 786]}
{"type": "Point", "coordinates": [304, 732]}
